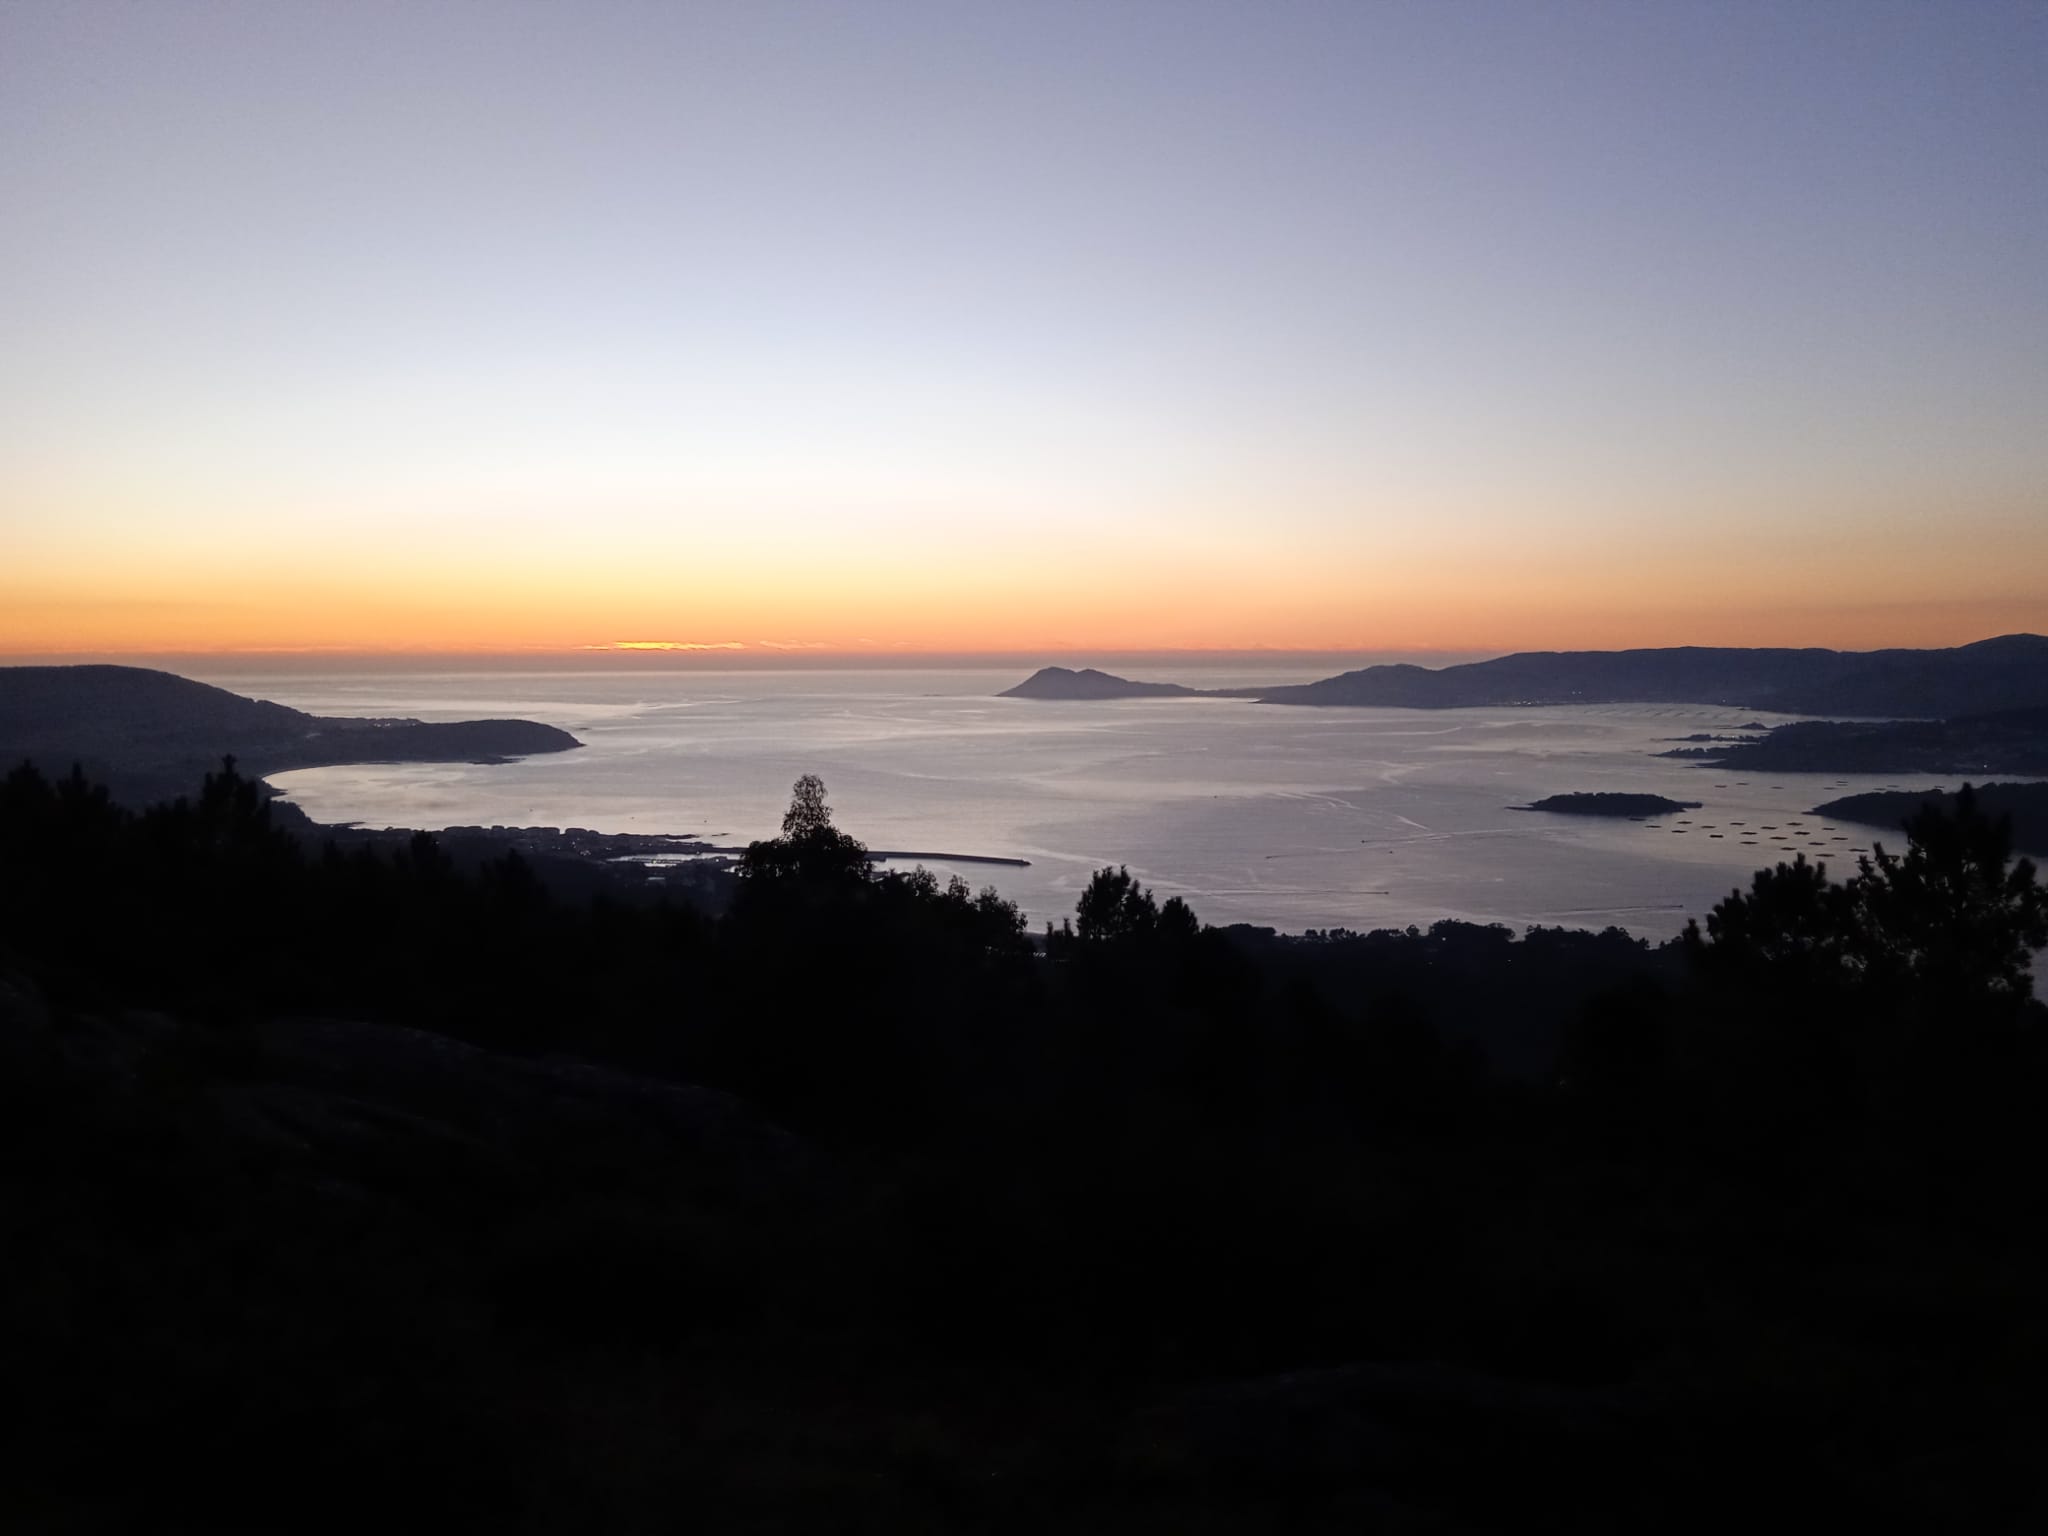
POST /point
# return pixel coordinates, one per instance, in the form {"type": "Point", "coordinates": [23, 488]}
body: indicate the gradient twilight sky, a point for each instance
{"type": "Point", "coordinates": [1028, 326]}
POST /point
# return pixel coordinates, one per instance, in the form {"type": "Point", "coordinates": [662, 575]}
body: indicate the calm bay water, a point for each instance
{"type": "Point", "coordinates": [1297, 818]}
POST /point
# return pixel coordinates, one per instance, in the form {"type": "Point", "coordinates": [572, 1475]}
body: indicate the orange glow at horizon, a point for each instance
{"type": "Point", "coordinates": [1449, 573]}
{"type": "Point", "coordinates": [1426, 602]}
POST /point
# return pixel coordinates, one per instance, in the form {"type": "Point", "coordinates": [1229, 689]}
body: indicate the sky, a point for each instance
{"type": "Point", "coordinates": [1030, 328]}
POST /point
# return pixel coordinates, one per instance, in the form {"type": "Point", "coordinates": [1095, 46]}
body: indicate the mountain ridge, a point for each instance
{"type": "Point", "coordinates": [2003, 672]}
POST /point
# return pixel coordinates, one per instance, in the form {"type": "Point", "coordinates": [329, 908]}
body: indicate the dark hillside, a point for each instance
{"type": "Point", "coordinates": [2009, 672]}
{"type": "Point", "coordinates": [103, 709]}
{"type": "Point", "coordinates": [1685, 674]}
{"type": "Point", "coordinates": [150, 735]}
{"type": "Point", "coordinates": [2003, 674]}
{"type": "Point", "coordinates": [2008, 741]}
{"type": "Point", "coordinates": [349, 1188]}
{"type": "Point", "coordinates": [2025, 805]}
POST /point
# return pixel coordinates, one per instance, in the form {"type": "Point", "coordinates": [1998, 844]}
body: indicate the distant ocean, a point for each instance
{"type": "Point", "coordinates": [1291, 817]}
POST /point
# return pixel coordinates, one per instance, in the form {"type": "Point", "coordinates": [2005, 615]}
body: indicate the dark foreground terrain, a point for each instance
{"type": "Point", "coordinates": [349, 1190]}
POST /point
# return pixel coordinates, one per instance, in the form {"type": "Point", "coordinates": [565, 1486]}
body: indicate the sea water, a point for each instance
{"type": "Point", "coordinates": [1280, 815]}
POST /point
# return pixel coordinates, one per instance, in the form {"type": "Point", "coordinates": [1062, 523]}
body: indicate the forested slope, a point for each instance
{"type": "Point", "coordinates": [349, 1187]}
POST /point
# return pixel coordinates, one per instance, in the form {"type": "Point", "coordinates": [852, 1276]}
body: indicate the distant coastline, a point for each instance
{"type": "Point", "coordinates": [151, 735]}
{"type": "Point", "coordinates": [2009, 741]}
{"type": "Point", "coordinates": [2006, 673]}
{"type": "Point", "coordinates": [2026, 805]}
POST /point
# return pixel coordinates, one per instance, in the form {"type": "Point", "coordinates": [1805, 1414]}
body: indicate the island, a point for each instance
{"type": "Point", "coordinates": [1090, 684]}
{"type": "Point", "coordinates": [1604, 804]}
{"type": "Point", "coordinates": [149, 735]}
{"type": "Point", "coordinates": [2025, 805]}
{"type": "Point", "coordinates": [912, 855]}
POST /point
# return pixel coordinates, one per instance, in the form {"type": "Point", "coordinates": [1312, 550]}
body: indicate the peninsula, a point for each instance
{"type": "Point", "coordinates": [2006, 741]}
{"type": "Point", "coordinates": [2025, 806]}
{"type": "Point", "coordinates": [149, 735]}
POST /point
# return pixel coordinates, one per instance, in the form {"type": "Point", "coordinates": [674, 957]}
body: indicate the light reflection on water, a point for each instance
{"type": "Point", "coordinates": [1292, 817]}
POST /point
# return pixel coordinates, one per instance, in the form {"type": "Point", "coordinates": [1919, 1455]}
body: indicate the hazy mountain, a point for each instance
{"type": "Point", "coordinates": [2010, 672]}
{"type": "Point", "coordinates": [150, 733]}
{"type": "Point", "coordinates": [2006, 673]}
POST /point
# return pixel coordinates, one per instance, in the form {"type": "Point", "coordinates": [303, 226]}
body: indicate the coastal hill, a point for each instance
{"type": "Point", "coordinates": [1088, 683]}
{"type": "Point", "coordinates": [2024, 805]}
{"type": "Point", "coordinates": [149, 733]}
{"type": "Point", "coordinates": [2009, 672]}
{"type": "Point", "coordinates": [2005, 741]}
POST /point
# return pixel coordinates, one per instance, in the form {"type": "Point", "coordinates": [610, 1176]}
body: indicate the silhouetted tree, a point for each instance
{"type": "Point", "coordinates": [811, 850]}
{"type": "Point", "coordinates": [808, 814]}
{"type": "Point", "coordinates": [1114, 908]}
{"type": "Point", "coordinates": [1793, 922]}
{"type": "Point", "coordinates": [1177, 922]}
{"type": "Point", "coordinates": [1956, 914]}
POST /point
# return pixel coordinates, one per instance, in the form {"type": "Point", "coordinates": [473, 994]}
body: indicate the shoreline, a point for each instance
{"type": "Point", "coordinates": [611, 847]}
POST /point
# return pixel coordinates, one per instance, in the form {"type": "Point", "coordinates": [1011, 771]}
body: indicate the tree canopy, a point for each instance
{"type": "Point", "coordinates": [375, 1169]}
{"type": "Point", "coordinates": [1955, 914]}
{"type": "Point", "coordinates": [808, 814]}
{"type": "Point", "coordinates": [810, 849]}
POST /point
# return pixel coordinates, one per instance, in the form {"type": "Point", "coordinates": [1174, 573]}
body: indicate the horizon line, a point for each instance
{"type": "Point", "coordinates": [718, 651]}
{"type": "Point", "coordinates": [796, 656]}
